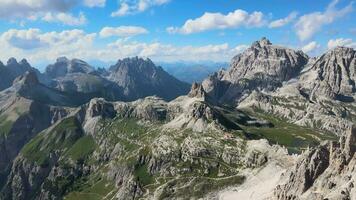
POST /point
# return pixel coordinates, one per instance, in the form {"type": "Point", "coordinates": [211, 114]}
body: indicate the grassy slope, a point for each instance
{"type": "Point", "coordinates": [295, 138]}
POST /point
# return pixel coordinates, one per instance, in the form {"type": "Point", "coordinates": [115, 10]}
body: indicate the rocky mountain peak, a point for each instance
{"type": "Point", "coordinates": [62, 59]}
{"type": "Point", "coordinates": [134, 64]}
{"type": "Point", "coordinates": [12, 61]}
{"type": "Point", "coordinates": [140, 77]}
{"type": "Point", "coordinates": [262, 42]}
{"type": "Point", "coordinates": [197, 90]}
{"type": "Point", "coordinates": [264, 58]}
{"type": "Point", "coordinates": [63, 66]}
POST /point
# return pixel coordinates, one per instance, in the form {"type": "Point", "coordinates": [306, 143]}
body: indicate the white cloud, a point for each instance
{"type": "Point", "coordinates": [122, 31]}
{"type": "Point", "coordinates": [95, 3]}
{"type": "Point", "coordinates": [129, 7]}
{"type": "Point", "coordinates": [38, 46]}
{"type": "Point", "coordinates": [124, 9]}
{"type": "Point", "coordinates": [284, 21]}
{"type": "Point", "coordinates": [24, 39]}
{"type": "Point", "coordinates": [310, 47]}
{"type": "Point", "coordinates": [167, 52]}
{"type": "Point", "coordinates": [310, 24]}
{"type": "Point", "coordinates": [66, 19]}
{"type": "Point", "coordinates": [341, 42]}
{"type": "Point", "coordinates": [213, 21]}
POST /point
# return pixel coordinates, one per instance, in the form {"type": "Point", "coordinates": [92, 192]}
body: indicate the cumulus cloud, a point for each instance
{"type": "Point", "coordinates": [213, 21]}
{"type": "Point", "coordinates": [129, 7]}
{"type": "Point", "coordinates": [310, 47]}
{"type": "Point", "coordinates": [309, 24]}
{"type": "Point", "coordinates": [38, 46]}
{"type": "Point", "coordinates": [284, 21]}
{"type": "Point", "coordinates": [346, 42]}
{"type": "Point", "coordinates": [65, 18]}
{"type": "Point", "coordinates": [122, 31]}
{"type": "Point", "coordinates": [168, 52]}
{"type": "Point", "coordinates": [24, 39]}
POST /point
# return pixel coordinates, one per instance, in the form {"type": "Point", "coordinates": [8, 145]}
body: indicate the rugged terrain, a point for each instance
{"type": "Point", "coordinates": [271, 120]}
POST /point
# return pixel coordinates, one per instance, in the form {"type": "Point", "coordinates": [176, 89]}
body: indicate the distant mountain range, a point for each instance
{"type": "Point", "coordinates": [270, 120]}
{"type": "Point", "coordinates": [192, 72]}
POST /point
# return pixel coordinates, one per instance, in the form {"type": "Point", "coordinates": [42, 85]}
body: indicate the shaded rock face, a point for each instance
{"type": "Point", "coordinates": [336, 74]}
{"type": "Point", "coordinates": [326, 172]}
{"type": "Point", "coordinates": [263, 66]}
{"type": "Point", "coordinates": [24, 128]}
{"type": "Point", "coordinates": [99, 107]}
{"type": "Point", "coordinates": [11, 70]}
{"type": "Point", "coordinates": [139, 78]}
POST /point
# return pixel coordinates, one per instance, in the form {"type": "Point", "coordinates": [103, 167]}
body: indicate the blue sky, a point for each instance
{"type": "Point", "coordinates": [169, 30]}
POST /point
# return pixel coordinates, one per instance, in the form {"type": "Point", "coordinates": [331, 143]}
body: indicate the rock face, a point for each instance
{"type": "Point", "coordinates": [139, 78]}
{"type": "Point", "coordinates": [64, 66]}
{"type": "Point", "coordinates": [129, 79]}
{"type": "Point", "coordinates": [264, 58]}
{"type": "Point", "coordinates": [78, 76]}
{"type": "Point", "coordinates": [197, 90]}
{"type": "Point", "coordinates": [11, 70]}
{"type": "Point", "coordinates": [326, 172]}
{"type": "Point", "coordinates": [263, 66]}
{"type": "Point", "coordinates": [336, 75]}
{"type": "Point", "coordinates": [321, 96]}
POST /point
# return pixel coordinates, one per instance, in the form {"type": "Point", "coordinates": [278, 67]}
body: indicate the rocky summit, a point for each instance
{"type": "Point", "coordinates": [275, 125]}
{"type": "Point", "coordinates": [262, 66]}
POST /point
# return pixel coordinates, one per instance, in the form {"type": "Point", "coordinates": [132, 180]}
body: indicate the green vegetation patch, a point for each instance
{"type": "Point", "coordinates": [82, 148]}
{"type": "Point", "coordinates": [292, 136]}
{"type": "Point", "coordinates": [142, 175]}
{"type": "Point", "coordinates": [5, 126]}
{"type": "Point", "coordinates": [62, 137]}
{"type": "Point", "coordinates": [96, 188]}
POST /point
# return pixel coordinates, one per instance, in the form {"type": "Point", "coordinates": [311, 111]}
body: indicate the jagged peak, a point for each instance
{"type": "Point", "coordinates": [135, 63]}
{"type": "Point", "coordinates": [24, 62]}
{"type": "Point", "coordinates": [262, 42]}
{"type": "Point", "coordinates": [341, 50]}
{"type": "Point", "coordinates": [12, 61]}
{"type": "Point", "coordinates": [62, 59]}
{"type": "Point", "coordinates": [135, 59]}
{"type": "Point", "coordinates": [197, 90]}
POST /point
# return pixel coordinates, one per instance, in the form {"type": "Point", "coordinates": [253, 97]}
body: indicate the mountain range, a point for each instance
{"type": "Point", "coordinates": [276, 124]}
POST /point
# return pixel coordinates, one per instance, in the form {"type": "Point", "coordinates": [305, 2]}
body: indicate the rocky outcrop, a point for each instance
{"type": "Point", "coordinates": [325, 172]}
{"type": "Point", "coordinates": [197, 91]}
{"type": "Point", "coordinates": [263, 66]}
